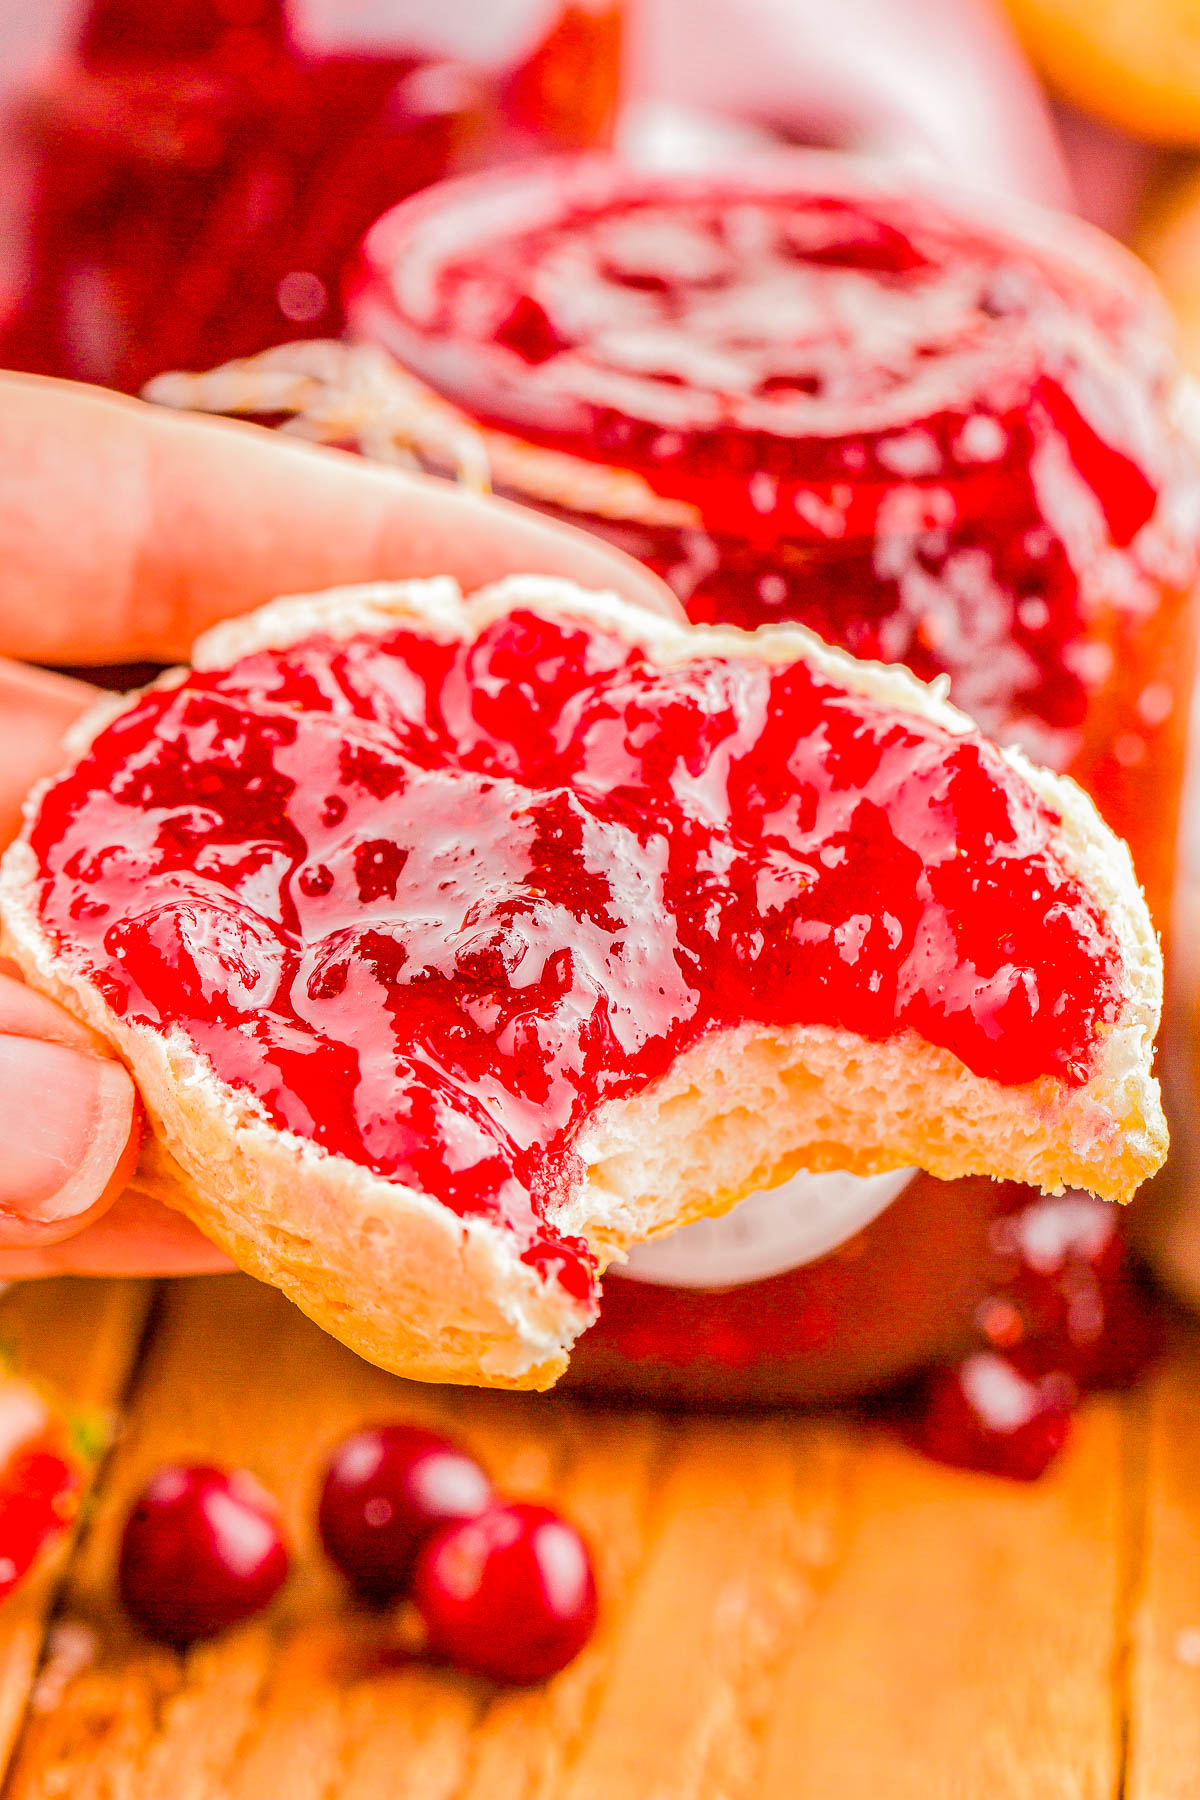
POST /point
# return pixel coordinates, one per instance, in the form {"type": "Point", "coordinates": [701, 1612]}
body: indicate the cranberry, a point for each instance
{"type": "Point", "coordinates": [510, 1594]}
{"type": "Point", "coordinates": [201, 1550]}
{"type": "Point", "coordinates": [39, 1494]}
{"type": "Point", "coordinates": [42, 1461]}
{"type": "Point", "coordinates": [990, 1413]}
{"type": "Point", "coordinates": [385, 1489]}
{"type": "Point", "coordinates": [1067, 1294]}
{"type": "Point", "coordinates": [1132, 1337]}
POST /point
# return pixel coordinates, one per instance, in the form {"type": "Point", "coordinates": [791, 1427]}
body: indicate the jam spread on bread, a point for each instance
{"type": "Point", "coordinates": [938, 432]}
{"type": "Point", "coordinates": [432, 901]}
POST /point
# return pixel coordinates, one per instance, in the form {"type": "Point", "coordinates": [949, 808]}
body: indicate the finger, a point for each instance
{"type": "Point", "coordinates": [70, 1121]}
{"type": "Point", "coordinates": [24, 1013]}
{"type": "Point", "coordinates": [136, 1236]}
{"type": "Point", "coordinates": [126, 529]}
{"type": "Point", "coordinates": [35, 710]}
{"type": "Point", "coordinates": [70, 1125]}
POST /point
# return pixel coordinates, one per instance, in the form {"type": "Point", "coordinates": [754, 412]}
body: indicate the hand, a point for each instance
{"type": "Point", "coordinates": [124, 532]}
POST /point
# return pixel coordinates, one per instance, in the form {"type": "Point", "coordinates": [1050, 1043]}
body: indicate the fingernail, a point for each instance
{"type": "Point", "coordinates": [66, 1120]}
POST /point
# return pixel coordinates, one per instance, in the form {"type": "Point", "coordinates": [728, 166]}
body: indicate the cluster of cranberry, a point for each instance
{"type": "Point", "coordinates": [504, 1588]}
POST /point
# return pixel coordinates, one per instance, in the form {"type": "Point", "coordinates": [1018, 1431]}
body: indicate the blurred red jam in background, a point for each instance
{"type": "Point", "coordinates": [938, 431]}
{"type": "Point", "coordinates": [182, 182]}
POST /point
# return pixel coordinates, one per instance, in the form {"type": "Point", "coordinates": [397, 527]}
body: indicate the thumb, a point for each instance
{"type": "Point", "coordinates": [70, 1127]}
{"type": "Point", "coordinates": [70, 1120]}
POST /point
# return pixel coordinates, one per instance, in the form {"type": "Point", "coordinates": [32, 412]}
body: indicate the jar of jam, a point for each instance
{"type": "Point", "coordinates": [936, 431]}
{"type": "Point", "coordinates": [184, 182]}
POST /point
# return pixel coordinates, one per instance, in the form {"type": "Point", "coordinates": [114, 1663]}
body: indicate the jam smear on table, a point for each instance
{"type": "Point", "coordinates": [431, 902]}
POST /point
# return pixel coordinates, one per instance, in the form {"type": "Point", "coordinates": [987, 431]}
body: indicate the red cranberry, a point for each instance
{"type": "Point", "coordinates": [41, 1477]}
{"type": "Point", "coordinates": [385, 1489]}
{"type": "Point", "coordinates": [1070, 1285]}
{"type": "Point", "coordinates": [202, 1550]}
{"type": "Point", "coordinates": [988, 1413]}
{"type": "Point", "coordinates": [1133, 1335]}
{"type": "Point", "coordinates": [510, 1594]}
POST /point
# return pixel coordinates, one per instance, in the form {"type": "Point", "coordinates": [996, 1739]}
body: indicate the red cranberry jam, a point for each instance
{"type": "Point", "coordinates": [432, 901]}
{"type": "Point", "coordinates": [183, 180]}
{"type": "Point", "coordinates": [935, 438]}
{"type": "Point", "coordinates": [937, 433]}
{"type": "Point", "coordinates": [45, 1457]}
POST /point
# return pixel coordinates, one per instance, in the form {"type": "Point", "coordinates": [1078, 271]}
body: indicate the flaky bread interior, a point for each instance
{"type": "Point", "coordinates": [413, 1287]}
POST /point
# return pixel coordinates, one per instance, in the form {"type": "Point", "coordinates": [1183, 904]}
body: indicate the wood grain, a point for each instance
{"type": "Point", "coordinates": [1164, 1662]}
{"type": "Point", "coordinates": [968, 1644]}
{"type": "Point", "coordinates": [82, 1336]}
{"type": "Point", "coordinates": [795, 1608]}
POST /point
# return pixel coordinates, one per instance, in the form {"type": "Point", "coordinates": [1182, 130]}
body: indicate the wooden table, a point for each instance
{"type": "Point", "coordinates": [795, 1608]}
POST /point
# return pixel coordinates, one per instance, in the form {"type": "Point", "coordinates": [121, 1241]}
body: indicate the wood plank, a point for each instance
{"type": "Point", "coordinates": [83, 1337]}
{"type": "Point", "coordinates": [969, 1641]}
{"type": "Point", "coordinates": [1164, 1672]}
{"type": "Point", "coordinates": [747, 1536]}
{"type": "Point", "coordinates": [794, 1607]}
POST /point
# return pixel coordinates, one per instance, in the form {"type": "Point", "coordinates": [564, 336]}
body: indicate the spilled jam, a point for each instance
{"type": "Point", "coordinates": [431, 902]}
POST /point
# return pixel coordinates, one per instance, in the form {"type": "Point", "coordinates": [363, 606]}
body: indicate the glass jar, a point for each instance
{"type": "Point", "coordinates": [942, 437]}
{"type": "Point", "coordinates": [936, 431]}
{"type": "Point", "coordinates": [182, 183]}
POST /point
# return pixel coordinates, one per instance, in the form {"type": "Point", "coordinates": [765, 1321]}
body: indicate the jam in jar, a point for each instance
{"type": "Point", "coordinates": [183, 182]}
{"type": "Point", "coordinates": [824, 395]}
{"type": "Point", "coordinates": [937, 431]}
